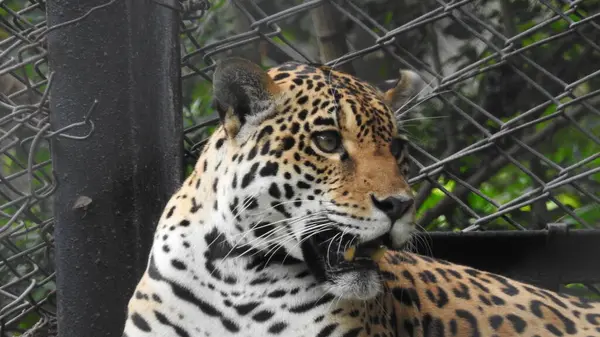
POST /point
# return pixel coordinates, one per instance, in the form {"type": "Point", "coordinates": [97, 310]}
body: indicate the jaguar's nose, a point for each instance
{"type": "Point", "coordinates": [393, 207]}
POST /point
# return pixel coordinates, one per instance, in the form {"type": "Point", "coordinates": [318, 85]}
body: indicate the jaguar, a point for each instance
{"type": "Point", "coordinates": [293, 221]}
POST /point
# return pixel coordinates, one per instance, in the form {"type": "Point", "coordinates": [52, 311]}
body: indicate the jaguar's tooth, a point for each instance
{"type": "Point", "coordinates": [379, 253]}
{"type": "Point", "coordinates": [350, 253]}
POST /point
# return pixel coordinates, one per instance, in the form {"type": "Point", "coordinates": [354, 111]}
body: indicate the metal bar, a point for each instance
{"type": "Point", "coordinates": [546, 258]}
{"type": "Point", "coordinates": [114, 185]}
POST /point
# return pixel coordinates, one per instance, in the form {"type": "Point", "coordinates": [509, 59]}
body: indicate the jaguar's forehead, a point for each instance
{"type": "Point", "coordinates": [336, 98]}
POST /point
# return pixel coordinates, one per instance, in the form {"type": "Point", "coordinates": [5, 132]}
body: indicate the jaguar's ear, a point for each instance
{"type": "Point", "coordinates": [243, 93]}
{"type": "Point", "coordinates": [399, 92]}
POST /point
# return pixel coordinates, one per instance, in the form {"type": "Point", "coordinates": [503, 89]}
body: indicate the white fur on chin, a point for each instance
{"type": "Point", "coordinates": [355, 285]}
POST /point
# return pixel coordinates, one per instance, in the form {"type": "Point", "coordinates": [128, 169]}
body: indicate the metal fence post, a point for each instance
{"type": "Point", "coordinates": [114, 184]}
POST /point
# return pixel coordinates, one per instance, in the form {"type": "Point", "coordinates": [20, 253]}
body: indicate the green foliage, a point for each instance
{"type": "Point", "coordinates": [579, 289]}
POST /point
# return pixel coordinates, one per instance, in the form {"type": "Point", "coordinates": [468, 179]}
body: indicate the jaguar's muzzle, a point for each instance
{"type": "Point", "coordinates": [329, 253]}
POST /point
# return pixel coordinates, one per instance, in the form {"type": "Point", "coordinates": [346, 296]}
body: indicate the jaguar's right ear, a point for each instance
{"type": "Point", "coordinates": [243, 94]}
{"type": "Point", "coordinates": [397, 92]}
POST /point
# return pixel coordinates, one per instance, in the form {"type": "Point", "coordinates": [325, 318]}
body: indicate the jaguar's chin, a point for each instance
{"type": "Point", "coordinates": [355, 285]}
{"type": "Point", "coordinates": [346, 271]}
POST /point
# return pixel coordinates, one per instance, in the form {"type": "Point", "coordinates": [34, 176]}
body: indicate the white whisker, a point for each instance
{"type": "Point", "coordinates": [424, 118]}
{"type": "Point", "coordinates": [329, 249]}
{"type": "Point", "coordinates": [272, 232]}
{"type": "Point", "coordinates": [415, 95]}
{"type": "Point", "coordinates": [309, 236]}
{"type": "Point", "coordinates": [299, 242]}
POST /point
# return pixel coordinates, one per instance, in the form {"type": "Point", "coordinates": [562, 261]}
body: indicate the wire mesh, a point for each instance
{"type": "Point", "coordinates": [26, 270]}
{"type": "Point", "coordinates": [506, 135]}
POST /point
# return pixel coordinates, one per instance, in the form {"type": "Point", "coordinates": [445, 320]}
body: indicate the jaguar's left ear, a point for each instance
{"type": "Point", "coordinates": [398, 92]}
{"type": "Point", "coordinates": [243, 93]}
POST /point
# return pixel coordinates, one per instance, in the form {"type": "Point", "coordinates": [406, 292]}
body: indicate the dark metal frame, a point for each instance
{"type": "Point", "coordinates": [546, 258]}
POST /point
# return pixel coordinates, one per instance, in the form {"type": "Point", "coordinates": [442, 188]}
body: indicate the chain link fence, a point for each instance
{"type": "Point", "coordinates": [505, 137]}
{"type": "Point", "coordinates": [27, 285]}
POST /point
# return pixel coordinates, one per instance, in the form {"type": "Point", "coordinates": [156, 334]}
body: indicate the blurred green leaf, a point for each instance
{"type": "Point", "coordinates": [589, 213]}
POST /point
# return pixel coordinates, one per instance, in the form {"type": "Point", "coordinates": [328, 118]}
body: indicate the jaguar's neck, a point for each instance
{"type": "Point", "coordinates": [208, 211]}
{"type": "Point", "coordinates": [229, 286]}
{"type": "Point", "coordinates": [227, 294]}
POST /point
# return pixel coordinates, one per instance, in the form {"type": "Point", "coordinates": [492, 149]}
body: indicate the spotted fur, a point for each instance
{"type": "Point", "coordinates": [254, 242]}
{"type": "Point", "coordinates": [431, 297]}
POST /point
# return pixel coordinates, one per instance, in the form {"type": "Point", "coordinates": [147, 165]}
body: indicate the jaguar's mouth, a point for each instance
{"type": "Point", "coordinates": [331, 253]}
{"type": "Point", "coordinates": [374, 250]}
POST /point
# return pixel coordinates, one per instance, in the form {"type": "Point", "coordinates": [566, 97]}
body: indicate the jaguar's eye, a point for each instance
{"type": "Point", "coordinates": [327, 141]}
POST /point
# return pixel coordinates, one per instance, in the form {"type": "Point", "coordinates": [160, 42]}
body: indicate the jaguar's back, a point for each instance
{"type": "Point", "coordinates": [435, 298]}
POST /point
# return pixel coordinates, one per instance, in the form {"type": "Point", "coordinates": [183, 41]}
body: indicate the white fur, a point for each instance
{"type": "Point", "coordinates": [361, 285]}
